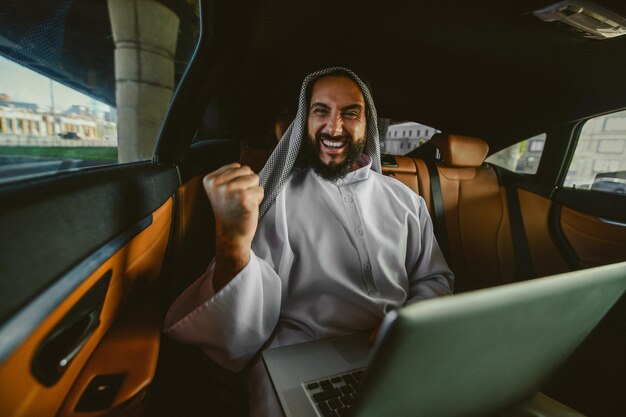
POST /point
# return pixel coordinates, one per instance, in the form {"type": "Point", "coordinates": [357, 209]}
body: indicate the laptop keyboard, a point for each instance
{"type": "Point", "coordinates": [333, 396]}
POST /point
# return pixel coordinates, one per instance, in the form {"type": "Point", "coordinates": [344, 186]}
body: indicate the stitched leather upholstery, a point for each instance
{"type": "Point", "coordinates": [460, 151]}
{"type": "Point", "coordinates": [476, 213]}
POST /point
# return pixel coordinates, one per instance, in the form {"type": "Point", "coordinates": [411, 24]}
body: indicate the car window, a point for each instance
{"type": "Point", "coordinates": [599, 161]}
{"type": "Point", "coordinates": [401, 137]}
{"type": "Point", "coordinates": [523, 157]}
{"type": "Point", "coordinates": [88, 83]}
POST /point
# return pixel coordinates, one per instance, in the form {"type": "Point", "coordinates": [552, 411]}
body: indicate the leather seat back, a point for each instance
{"type": "Point", "coordinates": [476, 220]}
{"type": "Point", "coordinates": [476, 214]}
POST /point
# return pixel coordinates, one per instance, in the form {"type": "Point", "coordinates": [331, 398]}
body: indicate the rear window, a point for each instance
{"type": "Point", "coordinates": [401, 137]}
{"type": "Point", "coordinates": [523, 157]}
{"type": "Point", "coordinates": [599, 161]}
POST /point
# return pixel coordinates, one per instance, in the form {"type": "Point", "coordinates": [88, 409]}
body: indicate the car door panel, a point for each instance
{"type": "Point", "coordinates": [593, 225]}
{"type": "Point", "coordinates": [133, 206]}
{"type": "Point", "coordinates": [564, 233]}
{"type": "Point", "coordinates": [545, 255]}
{"type": "Point", "coordinates": [134, 343]}
{"type": "Point", "coordinates": [595, 241]}
{"type": "Point", "coordinates": [56, 222]}
{"type": "Point", "coordinates": [187, 383]}
{"type": "Point", "coordinates": [588, 228]}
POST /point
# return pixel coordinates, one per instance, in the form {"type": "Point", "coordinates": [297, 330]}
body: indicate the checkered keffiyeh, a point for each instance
{"type": "Point", "coordinates": [281, 162]}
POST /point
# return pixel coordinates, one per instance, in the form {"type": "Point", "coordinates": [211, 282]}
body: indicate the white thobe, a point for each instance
{"type": "Point", "coordinates": [328, 259]}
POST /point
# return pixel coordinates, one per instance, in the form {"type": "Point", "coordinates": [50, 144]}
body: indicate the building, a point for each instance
{"type": "Point", "coordinates": [26, 120]}
{"type": "Point", "coordinates": [401, 138]}
{"type": "Point", "coordinates": [601, 148]}
{"type": "Point", "coordinates": [23, 119]}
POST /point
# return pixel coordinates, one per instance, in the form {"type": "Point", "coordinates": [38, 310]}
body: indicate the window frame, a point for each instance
{"type": "Point", "coordinates": [575, 129]}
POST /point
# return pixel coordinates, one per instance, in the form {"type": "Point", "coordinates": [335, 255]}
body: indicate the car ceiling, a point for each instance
{"type": "Point", "coordinates": [485, 68]}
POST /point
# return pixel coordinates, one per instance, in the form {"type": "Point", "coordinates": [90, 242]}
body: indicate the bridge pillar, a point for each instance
{"type": "Point", "coordinates": [145, 33]}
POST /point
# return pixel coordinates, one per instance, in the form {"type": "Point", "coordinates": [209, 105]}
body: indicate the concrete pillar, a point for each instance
{"type": "Point", "coordinates": [3, 125]}
{"type": "Point", "coordinates": [145, 33]}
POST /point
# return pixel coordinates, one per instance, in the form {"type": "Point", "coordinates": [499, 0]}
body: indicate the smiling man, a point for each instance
{"type": "Point", "coordinates": [337, 247]}
{"type": "Point", "coordinates": [336, 126]}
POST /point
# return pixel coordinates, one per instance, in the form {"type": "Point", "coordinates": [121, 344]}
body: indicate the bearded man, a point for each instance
{"type": "Point", "coordinates": [337, 246]}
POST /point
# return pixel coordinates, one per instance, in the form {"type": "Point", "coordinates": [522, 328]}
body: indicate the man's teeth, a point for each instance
{"type": "Point", "coordinates": [332, 144]}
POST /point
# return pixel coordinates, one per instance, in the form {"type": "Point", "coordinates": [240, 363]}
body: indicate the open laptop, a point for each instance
{"type": "Point", "coordinates": [472, 354]}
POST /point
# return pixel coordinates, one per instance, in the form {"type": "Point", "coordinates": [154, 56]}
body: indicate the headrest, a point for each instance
{"type": "Point", "coordinates": [460, 151]}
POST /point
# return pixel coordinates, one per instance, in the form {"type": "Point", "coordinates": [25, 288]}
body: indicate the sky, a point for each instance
{"type": "Point", "coordinates": [25, 85]}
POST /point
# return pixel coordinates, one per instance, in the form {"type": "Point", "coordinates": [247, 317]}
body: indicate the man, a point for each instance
{"type": "Point", "coordinates": [338, 244]}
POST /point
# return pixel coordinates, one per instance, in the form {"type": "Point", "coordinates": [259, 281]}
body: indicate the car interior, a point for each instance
{"type": "Point", "coordinates": [93, 257]}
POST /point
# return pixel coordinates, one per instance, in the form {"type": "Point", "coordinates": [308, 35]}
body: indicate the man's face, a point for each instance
{"type": "Point", "coordinates": [336, 125]}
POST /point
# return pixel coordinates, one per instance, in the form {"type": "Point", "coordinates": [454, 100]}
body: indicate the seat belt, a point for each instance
{"type": "Point", "coordinates": [520, 241]}
{"type": "Point", "coordinates": [437, 198]}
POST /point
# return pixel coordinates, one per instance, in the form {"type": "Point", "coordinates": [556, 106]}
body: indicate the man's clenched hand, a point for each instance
{"type": "Point", "coordinates": [235, 196]}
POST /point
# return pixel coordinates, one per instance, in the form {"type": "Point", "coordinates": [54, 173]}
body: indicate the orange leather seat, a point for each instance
{"type": "Point", "coordinates": [480, 246]}
{"type": "Point", "coordinates": [476, 220]}
{"type": "Point", "coordinates": [401, 168]}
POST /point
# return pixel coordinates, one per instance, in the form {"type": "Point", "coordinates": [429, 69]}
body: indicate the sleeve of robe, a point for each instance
{"type": "Point", "coordinates": [230, 326]}
{"type": "Point", "coordinates": [428, 272]}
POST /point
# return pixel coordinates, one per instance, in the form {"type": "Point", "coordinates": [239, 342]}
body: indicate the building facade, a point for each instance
{"type": "Point", "coordinates": [401, 138]}
{"type": "Point", "coordinates": [24, 121]}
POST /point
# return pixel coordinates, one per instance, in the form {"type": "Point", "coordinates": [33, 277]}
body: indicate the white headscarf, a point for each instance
{"type": "Point", "coordinates": [281, 162]}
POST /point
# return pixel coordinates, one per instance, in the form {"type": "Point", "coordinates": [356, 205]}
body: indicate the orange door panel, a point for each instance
{"type": "Point", "coordinates": [133, 267]}
{"type": "Point", "coordinates": [133, 341]}
{"type": "Point", "coordinates": [595, 241]}
{"type": "Point", "coordinates": [545, 254]}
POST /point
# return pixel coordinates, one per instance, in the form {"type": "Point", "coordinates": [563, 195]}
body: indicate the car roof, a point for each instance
{"type": "Point", "coordinates": [485, 68]}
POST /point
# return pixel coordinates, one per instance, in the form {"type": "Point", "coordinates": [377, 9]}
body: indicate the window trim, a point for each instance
{"type": "Point", "coordinates": [575, 129]}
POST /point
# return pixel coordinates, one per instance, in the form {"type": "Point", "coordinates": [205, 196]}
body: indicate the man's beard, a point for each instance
{"type": "Point", "coordinates": [332, 172]}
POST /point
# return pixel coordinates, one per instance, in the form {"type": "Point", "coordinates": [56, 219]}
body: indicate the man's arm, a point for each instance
{"type": "Point", "coordinates": [429, 274]}
{"type": "Point", "coordinates": [233, 308]}
{"type": "Point", "coordinates": [235, 195]}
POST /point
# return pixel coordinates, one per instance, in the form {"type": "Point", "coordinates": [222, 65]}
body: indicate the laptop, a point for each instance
{"type": "Point", "coordinates": [472, 354]}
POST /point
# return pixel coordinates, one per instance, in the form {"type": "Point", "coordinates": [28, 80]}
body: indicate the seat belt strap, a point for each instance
{"type": "Point", "coordinates": [437, 199]}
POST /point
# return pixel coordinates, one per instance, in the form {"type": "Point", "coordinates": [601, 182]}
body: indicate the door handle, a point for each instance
{"type": "Point", "coordinates": [61, 345]}
{"type": "Point", "coordinates": [91, 323]}
{"type": "Point", "coordinates": [612, 222]}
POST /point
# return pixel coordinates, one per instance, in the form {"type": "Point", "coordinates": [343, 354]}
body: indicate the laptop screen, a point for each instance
{"type": "Point", "coordinates": [480, 352]}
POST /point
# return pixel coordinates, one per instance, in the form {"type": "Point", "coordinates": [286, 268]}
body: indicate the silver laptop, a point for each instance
{"type": "Point", "coordinates": [472, 354]}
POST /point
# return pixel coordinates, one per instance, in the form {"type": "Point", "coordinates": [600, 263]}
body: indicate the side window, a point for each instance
{"type": "Point", "coordinates": [401, 137]}
{"type": "Point", "coordinates": [46, 126]}
{"type": "Point", "coordinates": [84, 84]}
{"type": "Point", "coordinates": [523, 157]}
{"type": "Point", "coordinates": [599, 161]}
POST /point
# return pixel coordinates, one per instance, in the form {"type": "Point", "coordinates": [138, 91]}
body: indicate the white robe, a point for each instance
{"type": "Point", "coordinates": [328, 259]}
